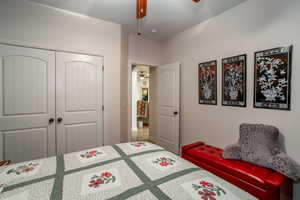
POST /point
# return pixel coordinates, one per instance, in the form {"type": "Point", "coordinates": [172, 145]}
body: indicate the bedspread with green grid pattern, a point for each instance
{"type": "Point", "coordinates": [136, 170]}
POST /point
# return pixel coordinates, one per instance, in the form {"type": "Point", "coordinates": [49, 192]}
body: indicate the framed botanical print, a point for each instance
{"type": "Point", "coordinates": [234, 83]}
{"type": "Point", "coordinates": [272, 75]}
{"type": "Point", "coordinates": [207, 78]}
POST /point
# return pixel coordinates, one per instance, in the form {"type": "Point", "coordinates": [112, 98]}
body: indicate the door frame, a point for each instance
{"type": "Point", "coordinates": [129, 92]}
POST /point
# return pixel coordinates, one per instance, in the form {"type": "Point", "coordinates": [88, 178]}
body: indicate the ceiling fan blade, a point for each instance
{"type": "Point", "coordinates": [141, 9]}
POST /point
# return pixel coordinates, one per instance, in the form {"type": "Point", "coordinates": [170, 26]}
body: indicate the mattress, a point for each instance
{"type": "Point", "coordinates": [134, 171]}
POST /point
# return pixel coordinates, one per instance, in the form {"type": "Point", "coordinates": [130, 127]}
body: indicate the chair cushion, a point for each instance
{"type": "Point", "coordinates": [251, 173]}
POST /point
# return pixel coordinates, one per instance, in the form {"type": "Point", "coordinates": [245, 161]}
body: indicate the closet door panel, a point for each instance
{"type": "Point", "coordinates": [31, 143]}
{"type": "Point", "coordinates": [79, 102]}
{"type": "Point", "coordinates": [81, 86]}
{"type": "Point", "coordinates": [27, 102]}
{"type": "Point", "coordinates": [76, 141]}
{"type": "Point", "coordinates": [25, 88]}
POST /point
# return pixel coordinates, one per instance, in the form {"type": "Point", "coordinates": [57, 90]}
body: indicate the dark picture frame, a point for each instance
{"type": "Point", "coordinates": [234, 81]}
{"type": "Point", "coordinates": [272, 78]}
{"type": "Point", "coordinates": [207, 83]}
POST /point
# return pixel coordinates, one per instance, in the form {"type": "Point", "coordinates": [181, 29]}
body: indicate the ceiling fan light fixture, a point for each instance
{"type": "Point", "coordinates": [141, 9]}
{"type": "Point", "coordinates": [139, 27]}
{"type": "Point", "coordinates": [141, 12]}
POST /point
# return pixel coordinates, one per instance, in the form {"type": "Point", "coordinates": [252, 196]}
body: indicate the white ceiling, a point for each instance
{"type": "Point", "coordinates": [168, 17]}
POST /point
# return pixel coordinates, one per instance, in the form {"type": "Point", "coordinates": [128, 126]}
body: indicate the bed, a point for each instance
{"type": "Point", "coordinates": [134, 171]}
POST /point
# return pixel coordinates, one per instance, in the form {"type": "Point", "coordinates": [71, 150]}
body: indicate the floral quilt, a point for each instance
{"type": "Point", "coordinates": [134, 171]}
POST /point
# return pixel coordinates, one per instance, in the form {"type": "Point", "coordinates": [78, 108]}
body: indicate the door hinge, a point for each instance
{"type": "Point", "coordinates": [102, 108]}
{"type": "Point", "coordinates": [102, 67]}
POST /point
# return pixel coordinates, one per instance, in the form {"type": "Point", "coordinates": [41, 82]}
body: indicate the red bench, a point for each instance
{"type": "Point", "coordinates": [261, 182]}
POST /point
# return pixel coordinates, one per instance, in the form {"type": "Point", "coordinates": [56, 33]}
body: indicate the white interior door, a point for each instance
{"type": "Point", "coordinates": [79, 118]}
{"type": "Point", "coordinates": [27, 103]}
{"type": "Point", "coordinates": [169, 106]}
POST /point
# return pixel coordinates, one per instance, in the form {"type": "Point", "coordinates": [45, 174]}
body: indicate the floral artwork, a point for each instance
{"type": "Point", "coordinates": [208, 187]}
{"type": "Point", "coordinates": [207, 76]}
{"type": "Point", "coordinates": [164, 161]}
{"type": "Point", "coordinates": [234, 81]}
{"type": "Point", "coordinates": [99, 181]}
{"type": "Point", "coordinates": [138, 144]}
{"type": "Point", "coordinates": [91, 154]}
{"type": "Point", "coordinates": [272, 78]}
{"type": "Point", "coordinates": [104, 178]}
{"type": "Point", "coordinates": [208, 191]}
{"type": "Point", "coordinates": [23, 169]}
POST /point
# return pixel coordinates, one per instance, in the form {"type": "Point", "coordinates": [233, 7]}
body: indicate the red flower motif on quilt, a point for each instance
{"type": "Point", "coordinates": [22, 169]}
{"type": "Point", "coordinates": [96, 183]}
{"type": "Point", "coordinates": [207, 195]}
{"type": "Point", "coordinates": [164, 162]}
{"type": "Point", "coordinates": [105, 174]}
{"type": "Point", "coordinates": [205, 184]}
{"type": "Point", "coordinates": [90, 154]}
{"type": "Point", "coordinates": [105, 178]}
{"type": "Point", "coordinates": [138, 144]}
{"type": "Point", "coordinates": [208, 191]}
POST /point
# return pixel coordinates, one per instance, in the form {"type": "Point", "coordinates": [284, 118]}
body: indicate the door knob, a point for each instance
{"type": "Point", "coordinates": [59, 119]}
{"type": "Point", "coordinates": [51, 120]}
{"type": "Point", "coordinates": [175, 112]}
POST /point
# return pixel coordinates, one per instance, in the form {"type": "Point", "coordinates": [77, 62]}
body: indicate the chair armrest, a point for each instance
{"type": "Point", "coordinates": [190, 146]}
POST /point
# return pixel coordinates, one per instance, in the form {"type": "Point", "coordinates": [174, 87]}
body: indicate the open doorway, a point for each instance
{"type": "Point", "coordinates": [162, 122]}
{"type": "Point", "coordinates": [143, 99]}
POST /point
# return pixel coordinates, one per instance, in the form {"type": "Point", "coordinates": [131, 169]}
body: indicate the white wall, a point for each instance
{"type": "Point", "coordinates": [251, 26]}
{"type": "Point", "coordinates": [124, 85]}
{"type": "Point", "coordinates": [29, 24]}
{"type": "Point", "coordinates": [145, 51]}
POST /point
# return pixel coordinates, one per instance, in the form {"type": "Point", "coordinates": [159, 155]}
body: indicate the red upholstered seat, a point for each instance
{"type": "Point", "coordinates": [261, 182]}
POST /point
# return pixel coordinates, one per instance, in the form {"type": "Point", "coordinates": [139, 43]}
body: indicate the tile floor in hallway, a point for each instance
{"type": "Point", "coordinates": [142, 134]}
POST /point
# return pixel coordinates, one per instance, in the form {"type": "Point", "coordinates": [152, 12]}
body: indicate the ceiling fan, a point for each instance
{"type": "Point", "coordinates": [141, 12]}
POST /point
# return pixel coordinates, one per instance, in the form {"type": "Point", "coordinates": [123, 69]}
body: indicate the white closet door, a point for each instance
{"type": "Point", "coordinates": [79, 102]}
{"type": "Point", "coordinates": [27, 103]}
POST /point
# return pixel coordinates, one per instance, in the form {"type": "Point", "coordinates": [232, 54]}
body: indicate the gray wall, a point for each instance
{"type": "Point", "coordinates": [29, 24]}
{"type": "Point", "coordinates": [251, 26]}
